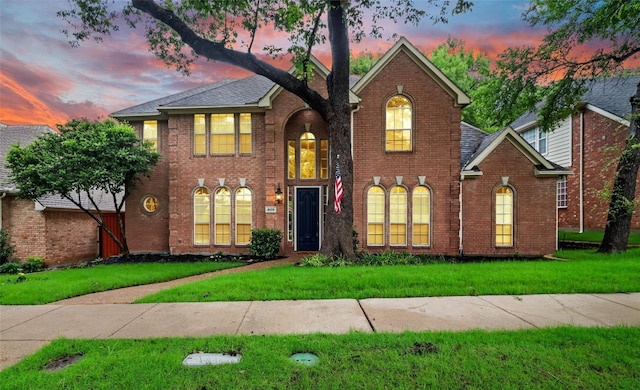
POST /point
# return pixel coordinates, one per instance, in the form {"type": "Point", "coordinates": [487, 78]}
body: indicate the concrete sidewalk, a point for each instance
{"type": "Point", "coordinates": [25, 329]}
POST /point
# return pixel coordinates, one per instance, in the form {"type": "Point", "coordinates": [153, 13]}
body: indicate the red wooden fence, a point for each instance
{"type": "Point", "coordinates": [108, 247]}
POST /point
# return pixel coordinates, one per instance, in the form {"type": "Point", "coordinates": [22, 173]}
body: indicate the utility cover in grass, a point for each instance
{"type": "Point", "coordinates": [202, 359]}
{"type": "Point", "coordinates": [308, 359]}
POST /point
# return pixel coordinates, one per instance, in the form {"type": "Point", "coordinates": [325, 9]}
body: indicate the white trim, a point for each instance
{"type": "Point", "coordinates": [608, 115]}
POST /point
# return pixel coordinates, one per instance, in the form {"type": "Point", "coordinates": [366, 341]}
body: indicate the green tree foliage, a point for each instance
{"type": "Point", "coordinates": [360, 64]}
{"type": "Point", "coordinates": [474, 75]}
{"type": "Point", "coordinates": [85, 159]}
{"type": "Point", "coordinates": [229, 31]}
{"type": "Point", "coordinates": [586, 39]}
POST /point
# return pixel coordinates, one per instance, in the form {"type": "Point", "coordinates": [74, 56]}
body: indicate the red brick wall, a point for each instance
{"type": "Point", "coordinates": [57, 236]}
{"type": "Point", "coordinates": [604, 140]}
{"type": "Point", "coordinates": [26, 227]}
{"type": "Point", "coordinates": [71, 236]}
{"type": "Point", "coordinates": [149, 233]}
{"type": "Point", "coordinates": [436, 151]}
{"type": "Point", "coordinates": [534, 206]}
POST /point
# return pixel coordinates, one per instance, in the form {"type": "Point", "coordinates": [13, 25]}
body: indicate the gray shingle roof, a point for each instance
{"type": "Point", "coordinates": [484, 143]}
{"type": "Point", "coordinates": [227, 93]}
{"type": "Point", "coordinates": [471, 138]}
{"type": "Point", "coordinates": [24, 135]}
{"type": "Point", "coordinates": [224, 93]}
{"type": "Point", "coordinates": [609, 94]}
{"type": "Point", "coordinates": [11, 135]}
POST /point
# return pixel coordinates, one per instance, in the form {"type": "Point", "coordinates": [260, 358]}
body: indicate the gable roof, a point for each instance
{"type": "Point", "coordinates": [470, 139]}
{"type": "Point", "coordinates": [460, 98]}
{"type": "Point", "coordinates": [607, 96]}
{"type": "Point", "coordinates": [24, 135]}
{"type": "Point", "coordinates": [543, 167]}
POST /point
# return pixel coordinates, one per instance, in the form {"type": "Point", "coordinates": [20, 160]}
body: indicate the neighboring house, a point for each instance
{"type": "Point", "coordinates": [590, 143]}
{"type": "Point", "coordinates": [243, 154]}
{"type": "Point", "coordinates": [52, 228]}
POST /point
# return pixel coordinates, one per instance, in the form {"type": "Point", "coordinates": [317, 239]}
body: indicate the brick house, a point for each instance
{"type": "Point", "coordinates": [589, 142]}
{"type": "Point", "coordinates": [243, 154]}
{"type": "Point", "coordinates": [52, 228]}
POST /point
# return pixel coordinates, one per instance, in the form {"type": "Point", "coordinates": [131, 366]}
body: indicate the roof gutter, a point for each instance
{"type": "Point", "coordinates": [1, 196]}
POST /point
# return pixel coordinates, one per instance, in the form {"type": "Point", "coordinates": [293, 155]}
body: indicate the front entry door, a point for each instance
{"type": "Point", "coordinates": [307, 219]}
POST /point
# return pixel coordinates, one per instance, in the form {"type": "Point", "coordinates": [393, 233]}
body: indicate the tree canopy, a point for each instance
{"type": "Point", "coordinates": [178, 32]}
{"type": "Point", "coordinates": [85, 159]}
{"type": "Point", "coordinates": [587, 39]}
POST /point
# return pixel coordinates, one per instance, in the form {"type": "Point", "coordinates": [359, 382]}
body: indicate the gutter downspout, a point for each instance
{"type": "Point", "coordinates": [581, 178]}
{"type": "Point", "coordinates": [1, 197]}
{"type": "Point", "coordinates": [460, 220]}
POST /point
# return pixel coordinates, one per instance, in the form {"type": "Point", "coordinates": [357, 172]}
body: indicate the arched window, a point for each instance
{"type": "Point", "coordinates": [399, 124]}
{"type": "Point", "coordinates": [504, 216]}
{"type": "Point", "coordinates": [307, 156]}
{"type": "Point", "coordinates": [243, 216]}
{"type": "Point", "coordinates": [202, 216]}
{"type": "Point", "coordinates": [375, 216]}
{"type": "Point", "coordinates": [303, 155]}
{"type": "Point", "coordinates": [223, 217]}
{"type": "Point", "coordinates": [421, 216]}
{"type": "Point", "coordinates": [398, 216]}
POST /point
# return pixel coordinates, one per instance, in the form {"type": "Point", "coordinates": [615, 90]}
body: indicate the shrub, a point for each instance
{"type": "Point", "coordinates": [265, 243]}
{"type": "Point", "coordinates": [10, 267]}
{"type": "Point", "coordinates": [33, 264]}
{"type": "Point", "coordinates": [317, 260]}
{"type": "Point", "coordinates": [6, 249]}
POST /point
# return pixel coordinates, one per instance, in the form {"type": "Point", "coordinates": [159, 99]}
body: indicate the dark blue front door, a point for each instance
{"type": "Point", "coordinates": [308, 219]}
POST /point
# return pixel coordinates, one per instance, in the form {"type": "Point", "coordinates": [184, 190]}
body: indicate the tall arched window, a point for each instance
{"type": "Point", "coordinates": [421, 215]}
{"type": "Point", "coordinates": [243, 216]}
{"type": "Point", "coordinates": [399, 124]}
{"type": "Point", "coordinates": [375, 216]}
{"type": "Point", "coordinates": [398, 216]}
{"type": "Point", "coordinates": [504, 216]}
{"type": "Point", "coordinates": [201, 216]}
{"type": "Point", "coordinates": [307, 156]}
{"type": "Point", "coordinates": [223, 217]}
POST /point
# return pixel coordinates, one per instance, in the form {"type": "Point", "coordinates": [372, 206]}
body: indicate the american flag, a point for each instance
{"type": "Point", "coordinates": [338, 189]}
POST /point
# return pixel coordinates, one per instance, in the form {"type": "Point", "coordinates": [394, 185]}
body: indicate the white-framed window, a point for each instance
{"type": "Point", "coordinates": [399, 124]}
{"type": "Point", "coordinates": [202, 216]}
{"type": "Point", "coordinates": [243, 216]}
{"type": "Point", "coordinates": [222, 134]}
{"type": "Point", "coordinates": [421, 206]}
{"type": "Point", "coordinates": [398, 216]}
{"type": "Point", "coordinates": [504, 216]}
{"type": "Point", "coordinates": [150, 133]}
{"type": "Point", "coordinates": [222, 203]}
{"type": "Point", "coordinates": [375, 216]}
{"type": "Point", "coordinates": [562, 192]}
{"type": "Point", "coordinates": [537, 139]}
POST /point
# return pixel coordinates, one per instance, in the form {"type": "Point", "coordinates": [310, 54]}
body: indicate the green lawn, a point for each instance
{"type": "Point", "coordinates": [555, 358]}
{"type": "Point", "coordinates": [50, 286]}
{"type": "Point", "coordinates": [585, 272]}
{"type": "Point", "coordinates": [593, 236]}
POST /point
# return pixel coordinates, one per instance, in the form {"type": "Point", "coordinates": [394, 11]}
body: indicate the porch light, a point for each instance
{"type": "Point", "coordinates": [278, 194]}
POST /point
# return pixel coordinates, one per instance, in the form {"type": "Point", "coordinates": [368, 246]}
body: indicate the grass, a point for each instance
{"type": "Point", "coordinates": [554, 358]}
{"type": "Point", "coordinates": [594, 236]}
{"type": "Point", "coordinates": [50, 286]}
{"type": "Point", "coordinates": [586, 272]}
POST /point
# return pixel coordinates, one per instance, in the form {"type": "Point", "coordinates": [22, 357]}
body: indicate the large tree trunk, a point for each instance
{"type": "Point", "coordinates": [616, 234]}
{"type": "Point", "coordinates": [338, 239]}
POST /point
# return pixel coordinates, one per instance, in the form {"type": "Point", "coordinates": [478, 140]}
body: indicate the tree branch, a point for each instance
{"type": "Point", "coordinates": [218, 52]}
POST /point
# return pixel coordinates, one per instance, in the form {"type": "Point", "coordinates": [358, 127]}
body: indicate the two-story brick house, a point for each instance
{"type": "Point", "coordinates": [243, 154]}
{"type": "Point", "coordinates": [590, 143]}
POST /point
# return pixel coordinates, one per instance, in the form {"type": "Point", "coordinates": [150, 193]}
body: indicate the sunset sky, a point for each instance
{"type": "Point", "coordinates": [43, 80]}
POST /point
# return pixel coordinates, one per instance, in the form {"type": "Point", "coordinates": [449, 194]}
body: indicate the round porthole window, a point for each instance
{"type": "Point", "coordinates": [150, 204]}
